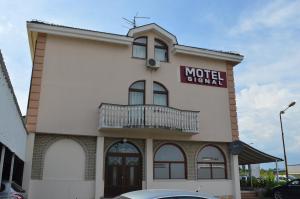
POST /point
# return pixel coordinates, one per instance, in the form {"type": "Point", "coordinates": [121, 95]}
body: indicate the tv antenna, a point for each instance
{"type": "Point", "coordinates": [132, 22]}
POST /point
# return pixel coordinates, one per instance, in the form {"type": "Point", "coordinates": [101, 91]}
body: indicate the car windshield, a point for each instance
{"type": "Point", "coordinates": [17, 188]}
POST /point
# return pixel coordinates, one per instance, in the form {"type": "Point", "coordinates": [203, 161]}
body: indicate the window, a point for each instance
{"type": "Point", "coordinates": [139, 48]}
{"type": "Point", "coordinates": [160, 94]}
{"type": "Point", "coordinates": [137, 93]}
{"type": "Point", "coordinates": [211, 163]}
{"type": "Point", "coordinates": [169, 163]}
{"type": "Point", "coordinates": [160, 51]}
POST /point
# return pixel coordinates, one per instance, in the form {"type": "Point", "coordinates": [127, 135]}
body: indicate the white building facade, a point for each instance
{"type": "Point", "coordinates": [109, 114]}
{"type": "Point", "coordinates": [13, 133]}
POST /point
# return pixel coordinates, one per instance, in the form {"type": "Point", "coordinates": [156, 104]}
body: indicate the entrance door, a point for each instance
{"type": "Point", "coordinates": [123, 169]}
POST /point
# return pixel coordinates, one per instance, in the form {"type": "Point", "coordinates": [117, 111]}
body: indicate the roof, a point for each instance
{"type": "Point", "coordinates": [160, 193]}
{"type": "Point", "coordinates": [6, 76]}
{"type": "Point", "coordinates": [249, 155]}
{"type": "Point", "coordinates": [35, 26]}
{"type": "Point", "coordinates": [154, 27]}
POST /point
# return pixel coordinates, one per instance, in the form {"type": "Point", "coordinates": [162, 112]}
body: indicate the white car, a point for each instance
{"type": "Point", "coordinates": [164, 194]}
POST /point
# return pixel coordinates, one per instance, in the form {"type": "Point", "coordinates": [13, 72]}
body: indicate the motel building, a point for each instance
{"type": "Point", "coordinates": [109, 113]}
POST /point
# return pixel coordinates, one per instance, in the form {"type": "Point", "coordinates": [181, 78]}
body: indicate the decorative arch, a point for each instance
{"type": "Point", "coordinates": [211, 167]}
{"type": "Point", "coordinates": [174, 159]}
{"type": "Point", "coordinates": [65, 159]}
{"type": "Point", "coordinates": [53, 140]}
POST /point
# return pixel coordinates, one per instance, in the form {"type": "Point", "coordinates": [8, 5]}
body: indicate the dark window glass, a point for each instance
{"type": "Point", "coordinates": [137, 93]}
{"type": "Point", "coordinates": [160, 94]}
{"type": "Point", "coordinates": [169, 163]}
{"type": "Point", "coordinates": [161, 51]}
{"type": "Point", "coordinates": [211, 164]}
{"type": "Point", "coordinates": [161, 170]}
{"type": "Point", "coordinates": [123, 148]}
{"type": "Point", "coordinates": [139, 48]}
{"type": "Point", "coordinates": [169, 152]}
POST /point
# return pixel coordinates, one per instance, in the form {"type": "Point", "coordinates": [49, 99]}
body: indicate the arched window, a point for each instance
{"type": "Point", "coordinates": [169, 163]}
{"type": "Point", "coordinates": [139, 48]}
{"type": "Point", "coordinates": [160, 94]}
{"type": "Point", "coordinates": [211, 163]}
{"type": "Point", "coordinates": [137, 93]}
{"type": "Point", "coordinates": [160, 51]}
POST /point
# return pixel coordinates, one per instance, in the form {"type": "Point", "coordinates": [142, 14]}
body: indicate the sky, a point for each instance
{"type": "Point", "coordinates": [266, 32]}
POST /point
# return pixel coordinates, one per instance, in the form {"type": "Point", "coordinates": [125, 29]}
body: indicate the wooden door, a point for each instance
{"type": "Point", "coordinates": [123, 173]}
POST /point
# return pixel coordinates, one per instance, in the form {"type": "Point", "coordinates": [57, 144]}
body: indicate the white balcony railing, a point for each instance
{"type": "Point", "coordinates": [148, 116]}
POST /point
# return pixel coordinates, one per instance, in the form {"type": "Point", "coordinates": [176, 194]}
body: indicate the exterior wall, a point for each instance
{"type": "Point", "coordinates": [294, 170]}
{"type": "Point", "coordinates": [191, 150]}
{"type": "Point", "coordinates": [72, 77]}
{"type": "Point", "coordinates": [64, 160]}
{"type": "Point", "coordinates": [39, 185]}
{"type": "Point", "coordinates": [232, 102]}
{"type": "Point", "coordinates": [12, 131]}
{"type": "Point", "coordinates": [58, 189]}
{"type": "Point", "coordinates": [35, 86]}
{"type": "Point", "coordinates": [214, 187]}
{"type": "Point", "coordinates": [49, 181]}
{"type": "Point", "coordinates": [43, 142]}
{"type": "Point", "coordinates": [81, 76]}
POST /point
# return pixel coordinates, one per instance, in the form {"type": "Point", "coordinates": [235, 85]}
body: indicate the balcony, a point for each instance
{"type": "Point", "coordinates": [114, 116]}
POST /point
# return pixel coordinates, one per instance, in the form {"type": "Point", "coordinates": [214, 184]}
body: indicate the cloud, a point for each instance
{"type": "Point", "coordinates": [5, 26]}
{"type": "Point", "coordinates": [258, 111]}
{"type": "Point", "coordinates": [275, 14]}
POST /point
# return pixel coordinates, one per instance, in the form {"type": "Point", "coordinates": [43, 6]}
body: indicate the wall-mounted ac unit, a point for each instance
{"type": "Point", "coordinates": [152, 64]}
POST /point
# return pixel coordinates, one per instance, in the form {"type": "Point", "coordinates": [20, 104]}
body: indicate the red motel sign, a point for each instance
{"type": "Point", "coordinates": [204, 77]}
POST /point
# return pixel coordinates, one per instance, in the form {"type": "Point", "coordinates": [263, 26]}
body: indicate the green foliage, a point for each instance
{"type": "Point", "coordinates": [266, 182]}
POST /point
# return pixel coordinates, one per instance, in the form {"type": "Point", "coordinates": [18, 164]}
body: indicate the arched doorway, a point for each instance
{"type": "Point", "coordinates": [123, 169]}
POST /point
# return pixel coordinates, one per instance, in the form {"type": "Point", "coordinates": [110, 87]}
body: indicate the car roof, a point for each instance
{"type": "Point", "coordinates": [160, 193]}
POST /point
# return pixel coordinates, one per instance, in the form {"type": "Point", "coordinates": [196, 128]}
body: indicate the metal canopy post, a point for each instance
{"type": "Point", "coordinates": [277, 172]}
{"type": "Point", "coordinates": [250, 175]}
{"type": "Point", "coordinates": [12, 164]}
{"type": "Point", "coordinates": [2, 162]}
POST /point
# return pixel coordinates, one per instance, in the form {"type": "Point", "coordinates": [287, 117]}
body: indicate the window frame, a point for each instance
{"type": "Point", "coordinates": [211, 163]}
{"type": "Point", "coordinates": [140, 44]}
{"type": "Point", "coordinates": [170, 162]}
{"type": "Point", "coordinates": [166, 47]}
{"type": "Point", "coordinates": [137, 90]}
{"type": "Point", "coordinates": [166, 92]}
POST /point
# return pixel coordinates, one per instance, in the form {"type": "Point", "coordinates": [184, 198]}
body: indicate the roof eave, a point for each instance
{"type": "Point", "coordinates": [78, 33]}
{"type": "Point", "coordinates": [235, 58]}
{"type": "Point", "coordinates": [154, 27]}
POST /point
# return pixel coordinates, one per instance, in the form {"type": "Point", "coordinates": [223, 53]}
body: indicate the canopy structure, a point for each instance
{"type": "Point", "coordinates": [249, 155]}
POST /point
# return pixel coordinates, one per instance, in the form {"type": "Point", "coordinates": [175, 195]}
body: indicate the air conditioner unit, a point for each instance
{"type": "Point", "coordinates": [152, 64]}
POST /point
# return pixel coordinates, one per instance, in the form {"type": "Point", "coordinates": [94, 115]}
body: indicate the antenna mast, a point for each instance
{"type": "Point", "coordinates": [132, 22]}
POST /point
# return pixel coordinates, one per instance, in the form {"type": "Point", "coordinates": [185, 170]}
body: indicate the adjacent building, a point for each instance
{"type": "Point", "coordinates": [13, 133]}
{"type": "Point", "coordinates": [112, 113]}
{"type": "Point", "coordinates": [294, 170]}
